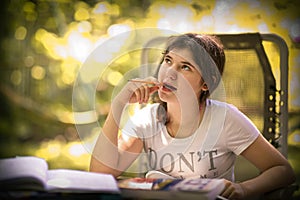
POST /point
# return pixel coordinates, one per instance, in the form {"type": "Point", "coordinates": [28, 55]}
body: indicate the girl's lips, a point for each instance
{"type": "Point", "coordinates": [169, 87]}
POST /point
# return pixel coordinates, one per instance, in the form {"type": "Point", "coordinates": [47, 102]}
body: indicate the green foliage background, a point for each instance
{"type": "Point", "coordinates": [37, 80]}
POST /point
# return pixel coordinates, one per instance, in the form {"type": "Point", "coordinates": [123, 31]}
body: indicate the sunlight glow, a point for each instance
{"type": "Point", "coordinates": [85, 27]}
{"type": "Point", "coordinates": [79, 46]}
{"type": "Point", "coordinates": [85, 117]}
{"type": "Point", "coordinates": [171, 20]}
{"type": "Point", "coordinates": [16, 77]}
{"type": "Point", "coordinates": [114, 77]}
{"type": "Point", "coordinates": [29, 61]}
{"type": "Point", "coordinates": [57, 148]}
{"type": "Point", "coordinates": [49, 150]}
{"type": "Point", "coordinates": [263, 28]}
{"type": "Point", "coordinates": [105, 7]}
{"type": "Point", "coordinates": [76, 43]}
{"type": "Point", "coordinates": [21, 33]}
{"type": "Point", "coordinates": [117, 29]}
{"type": "Point", "coordinates": [100, 8]}
{"type": "Point", "coordinates": [81, 14]}
{"type": "Point", "coordinates": [64, 116]}
{"type": "Point", "coordinates": [77, 150]}
{"type": "Point", "coordinates": [38, 72]}
{"type": "Point", "coordinates": [294, 138]}
{"type": "Point", "coordinates": [107, 47]}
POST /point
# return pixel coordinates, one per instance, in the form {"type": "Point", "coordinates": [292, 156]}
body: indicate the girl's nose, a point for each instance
{"type": "Point", "coordinates": [171, 73]}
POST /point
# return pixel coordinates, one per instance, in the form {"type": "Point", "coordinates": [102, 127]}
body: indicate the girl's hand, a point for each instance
{"type": "Point", "coordinates": [136, 92]}
{"type": "Point", "coordinates": [233, 190]}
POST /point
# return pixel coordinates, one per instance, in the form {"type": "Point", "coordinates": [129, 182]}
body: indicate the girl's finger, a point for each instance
{"type": "Point", "coordinates": [227, 190]}
{"type": "Point", "coordinates": [137, 95]}
{"type": "Point", "coordinates": [142, 93]}
{"type": "Point", "coordinates": [153, 89]}
{"type": "Point", "coordinates": [149, 91]}
{"type": "Point", "coordinates": [146, 95]}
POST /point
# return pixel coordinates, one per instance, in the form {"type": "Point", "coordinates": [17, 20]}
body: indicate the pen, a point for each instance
{"type": "Point", "coordinates": [147, 82]}
{"type": "Point", "coordinates": [154, 83]}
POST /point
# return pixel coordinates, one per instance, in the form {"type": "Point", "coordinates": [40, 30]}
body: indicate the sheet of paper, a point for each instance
{"type": "Point", "coordinates": [81, 180]}
{"type": "Point", "coordinates": [21, 167]}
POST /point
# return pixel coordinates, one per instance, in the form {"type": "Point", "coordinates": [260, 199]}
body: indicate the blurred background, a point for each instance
{"type": "Point", "coordinates": [43, 44]}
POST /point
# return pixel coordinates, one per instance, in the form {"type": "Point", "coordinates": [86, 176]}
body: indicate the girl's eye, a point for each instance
{"type": "Point", "coordinates": [186, 68]}
{"type": "Point", "coordinates": [167, 60]}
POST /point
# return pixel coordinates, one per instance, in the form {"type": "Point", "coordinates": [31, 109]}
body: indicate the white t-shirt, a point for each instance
{"type": "Point", "coordinates": [209, 153]}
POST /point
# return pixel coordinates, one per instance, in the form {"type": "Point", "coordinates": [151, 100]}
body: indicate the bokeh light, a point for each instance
{"type": "Point", "coordinates": [50, 40]}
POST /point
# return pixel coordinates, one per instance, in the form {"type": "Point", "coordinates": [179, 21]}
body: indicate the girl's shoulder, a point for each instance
{"type": "Point", "coordinates": [232, 115]}
{"type": "Point", "coordinates": [229, 111]}
{"type": "Point", "coordinates": [216, 105]}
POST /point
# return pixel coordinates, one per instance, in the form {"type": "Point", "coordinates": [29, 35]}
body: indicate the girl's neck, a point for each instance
{"type": "Point", "coordinates": [183, 123]}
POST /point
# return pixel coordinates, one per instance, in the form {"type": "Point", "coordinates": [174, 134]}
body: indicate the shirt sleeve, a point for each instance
{"type": "Point", "coordinates": [241, 132]}
{"type": "Point", "coordinates": [141, 122]}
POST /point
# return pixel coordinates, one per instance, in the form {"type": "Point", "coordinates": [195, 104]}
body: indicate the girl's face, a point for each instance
{"type": "Point", "coordinates": [180, 72]}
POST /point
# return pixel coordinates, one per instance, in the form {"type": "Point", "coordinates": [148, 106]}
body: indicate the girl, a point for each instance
{"type": "Point", "coordinates": [187, 134]}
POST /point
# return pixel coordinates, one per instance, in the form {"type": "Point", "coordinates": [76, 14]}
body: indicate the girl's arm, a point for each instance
{"type": "Point", "coordinates": [275, 171]}
{"type": "Point", "coordinates": [112, 154]}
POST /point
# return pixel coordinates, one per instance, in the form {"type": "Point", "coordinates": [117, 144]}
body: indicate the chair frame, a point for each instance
{"type": "Point", "coordinates": [272, 118]}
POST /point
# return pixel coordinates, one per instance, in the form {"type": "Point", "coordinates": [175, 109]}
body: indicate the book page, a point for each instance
{"type": "Point", "coordinates": [25, 169]}
{"type": "Point", "coordinates": [158, 174]}
{"type": "Point", "coordinates": [152, 188]}
{"type": "Point", "coordinates": [81, 181]}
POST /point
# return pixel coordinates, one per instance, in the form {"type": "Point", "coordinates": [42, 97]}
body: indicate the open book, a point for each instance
{"type": "Point", "coordinates": [158, 185]}
{"type": "Point", "coordinates": [32, 174]}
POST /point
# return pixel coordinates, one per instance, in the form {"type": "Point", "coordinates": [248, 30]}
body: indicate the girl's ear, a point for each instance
{"type": "Point", "coordinates": [204, 87]}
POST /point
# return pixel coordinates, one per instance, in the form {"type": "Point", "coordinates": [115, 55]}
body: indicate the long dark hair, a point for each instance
{"type": "Point", "coordinates": [207, 52]}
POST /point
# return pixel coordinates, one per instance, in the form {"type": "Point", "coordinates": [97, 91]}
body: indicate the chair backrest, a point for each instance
{"type": "Point", "coordinates": [251, 83]}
